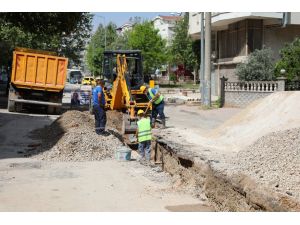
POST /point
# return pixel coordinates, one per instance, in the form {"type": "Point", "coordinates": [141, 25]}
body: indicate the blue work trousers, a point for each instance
{"type": "Point", "coordinates": [157, 110]}
{"type": "Point", "coordinates": [145, 149]}
{"type": "Point", "coordinates": [100, 119]}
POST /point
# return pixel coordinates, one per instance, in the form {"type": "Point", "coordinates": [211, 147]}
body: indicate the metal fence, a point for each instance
{"type": "Point", "coordinates": [292, 85]}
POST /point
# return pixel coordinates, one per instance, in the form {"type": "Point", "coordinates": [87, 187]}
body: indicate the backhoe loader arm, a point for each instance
{"type": "Point", "coordinates": [120, 93]}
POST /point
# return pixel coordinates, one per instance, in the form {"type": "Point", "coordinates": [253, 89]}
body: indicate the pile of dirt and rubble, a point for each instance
{"type": "Point", "coordinates": [72, 138]}
{"type": "Point", "coordinates": [273, 161]}
{"type": "Point", "coordinates": [276, 112]}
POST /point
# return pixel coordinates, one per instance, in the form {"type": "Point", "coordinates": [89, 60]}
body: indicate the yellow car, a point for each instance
{"type": "Point", "coordinates": [88, 81]}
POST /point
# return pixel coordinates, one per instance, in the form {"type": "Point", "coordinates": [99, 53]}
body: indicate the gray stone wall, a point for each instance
{"type": "Point", "coordinates": [242, 99]}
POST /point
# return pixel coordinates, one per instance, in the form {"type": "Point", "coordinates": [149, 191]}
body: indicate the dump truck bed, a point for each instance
{"type": "Point", "coordinates": [38, 71]}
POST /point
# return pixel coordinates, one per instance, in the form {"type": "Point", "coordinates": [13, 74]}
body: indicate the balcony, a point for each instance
{"type": "Point", "coordinates": [221, 20]}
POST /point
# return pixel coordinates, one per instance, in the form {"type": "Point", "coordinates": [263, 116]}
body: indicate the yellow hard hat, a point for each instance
{"type": "Point", "coordinates": [142, 88]}
{"type": "Point", "coordinates": [140, 112]}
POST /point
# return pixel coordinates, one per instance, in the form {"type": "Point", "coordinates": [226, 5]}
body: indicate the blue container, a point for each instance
{"type": "Point", "coordinates": [123, 154]}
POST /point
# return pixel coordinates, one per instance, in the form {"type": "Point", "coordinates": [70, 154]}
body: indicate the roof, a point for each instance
{"type": "Point", "coordinates": [171, 18]}
{"type": "Point", "coordinates": [127, 24]}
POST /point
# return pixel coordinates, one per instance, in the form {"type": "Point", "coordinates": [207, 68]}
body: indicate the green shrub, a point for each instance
{"type": "Point", "coordinates": [258, 67]}
{"type": "Point", "coordinates": [173, 78]}
{"type": "Point", "coordinates": [290, 60]}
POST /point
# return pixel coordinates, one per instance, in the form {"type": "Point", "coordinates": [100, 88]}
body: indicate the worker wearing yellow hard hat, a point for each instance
{"type": "Point", "coordinates": [140, 112]}
{"type": "Point", "coordinates": [157, 100]}
{"type": "Point", "coordinates": [144, 135]}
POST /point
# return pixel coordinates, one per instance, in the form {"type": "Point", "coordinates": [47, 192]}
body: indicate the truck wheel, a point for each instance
{"type": "Point", "coordinates": [18, 107]}
{"type": "Point", "coordinates": [11, 106]}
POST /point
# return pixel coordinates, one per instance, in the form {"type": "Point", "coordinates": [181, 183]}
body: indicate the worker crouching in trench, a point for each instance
{"type": "Point", "coordinates": [144, 135]}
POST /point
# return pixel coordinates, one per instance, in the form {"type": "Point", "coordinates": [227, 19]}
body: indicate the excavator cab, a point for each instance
{"type": "Point", "coordinates": [134, 72]}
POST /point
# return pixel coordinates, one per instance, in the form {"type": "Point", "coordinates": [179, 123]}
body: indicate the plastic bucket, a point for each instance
{"type": "Point", "coordinates": [123, 154]}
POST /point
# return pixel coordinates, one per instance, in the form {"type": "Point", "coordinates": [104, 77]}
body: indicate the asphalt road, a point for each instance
{"type": "Point", "coordinates": [27, 184]}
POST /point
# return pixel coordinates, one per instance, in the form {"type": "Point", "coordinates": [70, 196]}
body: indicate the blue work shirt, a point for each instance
{"type": "Point", "coordinates": [96, 91]}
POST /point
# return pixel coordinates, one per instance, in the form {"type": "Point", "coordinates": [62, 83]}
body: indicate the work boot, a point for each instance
{"type": "Point", "coordinates": [104, 133]}
{"type": "Point", "coordinates": [153, 123]}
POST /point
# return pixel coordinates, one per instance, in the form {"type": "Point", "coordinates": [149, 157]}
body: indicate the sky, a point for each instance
{"type": "Point", "coordinates": [120, 18]}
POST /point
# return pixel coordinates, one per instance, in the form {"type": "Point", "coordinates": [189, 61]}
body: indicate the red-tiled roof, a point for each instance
{"type": "Point", "coordinates": [176, 18]}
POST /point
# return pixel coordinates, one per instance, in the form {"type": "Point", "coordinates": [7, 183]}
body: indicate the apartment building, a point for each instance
{"type": "Point", "coordinates": [165, 26]}
{"type": "Point", "coordinates": [235, 35]}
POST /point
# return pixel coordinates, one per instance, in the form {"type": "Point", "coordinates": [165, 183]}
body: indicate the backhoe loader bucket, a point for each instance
{"type": "Point", "coordinates": [129, 126]}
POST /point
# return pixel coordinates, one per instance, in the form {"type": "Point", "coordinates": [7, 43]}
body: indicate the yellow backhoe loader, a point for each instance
{"type": "Point", "coordinates": [124, 70]}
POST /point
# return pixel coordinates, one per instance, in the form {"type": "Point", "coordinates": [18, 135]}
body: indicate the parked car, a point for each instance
{"type": "Point", "coordinates": [88, 81]}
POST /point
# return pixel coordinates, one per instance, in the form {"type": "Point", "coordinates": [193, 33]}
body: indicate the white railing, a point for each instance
{"type": "Point", "coordinates": [252, 86]}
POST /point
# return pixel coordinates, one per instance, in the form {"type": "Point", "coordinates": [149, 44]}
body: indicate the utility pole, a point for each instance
{"type": "Point", "coordinates": [207, 74]}
{"type": "Point", "coordinates": [202, 57]}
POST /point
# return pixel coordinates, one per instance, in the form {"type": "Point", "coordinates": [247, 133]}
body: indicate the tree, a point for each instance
{"type": "Point", "coordinates": [182, 48]}
{"type": "Point", "coordinates": [121, 42]}
{"type": "Point", "coordinates": [290, 60]}
{"type": "Point", "coordinates": [135, 20]}
{"type": "Point", "coordinates": [111, 34]}
{"type": "Point", "coordinates": [145, 38]}
{"type": "Point", "coordinates": [258, 67]}
{"type": "Point", "coordinates": [45, 23]}
{"type": "Point", "coordinates": [64, 33]}
{"type": "Point", "coordinates": [96, 47]}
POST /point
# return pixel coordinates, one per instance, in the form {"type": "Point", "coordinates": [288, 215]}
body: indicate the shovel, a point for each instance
{"type": "Point", "coordinates": [148, 106]}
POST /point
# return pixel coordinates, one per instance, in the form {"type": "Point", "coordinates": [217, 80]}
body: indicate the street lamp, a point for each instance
{"type": "Point", "coordinates": [282, 72]}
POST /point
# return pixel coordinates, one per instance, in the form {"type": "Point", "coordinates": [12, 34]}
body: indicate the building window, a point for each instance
{"type": "Point", "coordinates": [254, 35]}
{"type": "Point", "coordinates": [232, 42]}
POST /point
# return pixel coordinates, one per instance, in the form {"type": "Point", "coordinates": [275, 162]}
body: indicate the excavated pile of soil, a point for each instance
{"type": "Point", "coordinates": [273, 161]}
{"type": "Point", "coordinates": [72, 138]}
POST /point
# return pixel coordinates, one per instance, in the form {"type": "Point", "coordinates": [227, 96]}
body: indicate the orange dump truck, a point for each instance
{"type": "Point", "coordinates": [38, 78]}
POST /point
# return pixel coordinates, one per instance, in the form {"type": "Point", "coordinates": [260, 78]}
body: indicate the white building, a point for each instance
{"type": "Point", "coordinates": [235, 35]}
{"type": "Point", "coordinates": [125, 27]}
{"type": "Point", "coordinates": [165, 25]}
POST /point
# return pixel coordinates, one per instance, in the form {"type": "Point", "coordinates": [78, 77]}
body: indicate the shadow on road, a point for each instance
{"type": "Point", "coordinates": [3, 102]}
{"type": "Point", "coordinates": [16, 140]}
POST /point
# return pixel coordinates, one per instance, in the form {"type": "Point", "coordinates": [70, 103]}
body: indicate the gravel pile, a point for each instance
{"type": "Point", "coordinates": [72, 138]}
{"type": "Point", "coordinates": [274, 160]}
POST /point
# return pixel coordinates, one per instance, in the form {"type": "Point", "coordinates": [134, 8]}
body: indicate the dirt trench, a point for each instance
{"type": "Point", "coordinates": [193, 174]}
{"type": "Point", "coordinates": [198, 177]}
{"type": "Point", "coordinates": [235, 194]}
